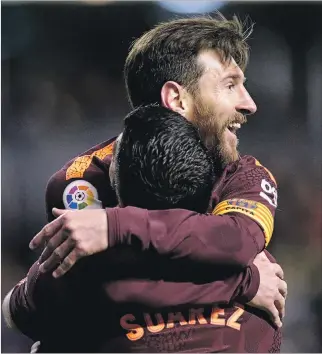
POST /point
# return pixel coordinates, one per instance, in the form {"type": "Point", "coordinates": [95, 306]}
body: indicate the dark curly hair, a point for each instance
{"type": "Point", "coordinates": [161, 162]}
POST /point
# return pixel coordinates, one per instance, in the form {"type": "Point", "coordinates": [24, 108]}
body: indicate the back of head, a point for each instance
{"type": "Point", "coordinates": [161, 163]}
{"type": "Point", "coordinates": [169, 52]}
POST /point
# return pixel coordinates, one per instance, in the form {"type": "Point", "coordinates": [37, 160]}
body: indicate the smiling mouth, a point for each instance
{"type": "Point", "coordinates": [233, 127]}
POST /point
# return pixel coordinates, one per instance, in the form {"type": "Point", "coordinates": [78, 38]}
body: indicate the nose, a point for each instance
{"type": "Point", "coordinates": [247, 105]}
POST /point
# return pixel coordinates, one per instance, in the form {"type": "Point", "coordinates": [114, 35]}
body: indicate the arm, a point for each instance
{"type": "Point", "coordinates": [181, 234]}
{"type": "Point", "coordinates": [242, 224]}
{"type": "Point", "coordinates": [19, 310]}
{"type": "Point", "coordinates": [240, 287]}
{"type": "Point", "coordinates": [46, 309]}
{"type": "Point", "coordinates": [38, 303]}
{"type": "Point", "coordinates": [233, 237]}
{"type": "Point", "coordinates": [40, 297]}
{"type": "Point", "coordinates": [192, 239]}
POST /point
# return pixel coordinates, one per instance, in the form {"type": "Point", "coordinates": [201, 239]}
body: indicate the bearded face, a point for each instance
{"type": "Point", "coordinates": [218, 132]}
{"type": "Point", "coordinates": [219, 104]}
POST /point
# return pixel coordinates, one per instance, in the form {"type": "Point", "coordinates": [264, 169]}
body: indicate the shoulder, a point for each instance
{"type": "Point", "coordinates": [250, 164]}
{"type": "Point", "coordinates": [83, 182]}
{"type": "Point", "coordinates": [84, 163]}
{"type": "Point", "coordinates": [249, 188]}
{"type": "Point", "coordinates": [246, 174]}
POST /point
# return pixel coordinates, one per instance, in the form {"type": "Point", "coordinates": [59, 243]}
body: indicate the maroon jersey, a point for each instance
{"type": "Point", "coordinates": [201, 266]}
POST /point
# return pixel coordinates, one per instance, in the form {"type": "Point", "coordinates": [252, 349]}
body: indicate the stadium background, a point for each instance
{"type": "Point", "coordinates": [62, 92]}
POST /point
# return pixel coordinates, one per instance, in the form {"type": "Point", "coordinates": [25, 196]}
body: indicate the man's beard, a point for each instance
{"type": "Point", "coordinates": [212, 132]}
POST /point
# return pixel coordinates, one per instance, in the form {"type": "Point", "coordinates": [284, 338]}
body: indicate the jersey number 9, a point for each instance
{"type": "Point", "coordinates": [269, 193]}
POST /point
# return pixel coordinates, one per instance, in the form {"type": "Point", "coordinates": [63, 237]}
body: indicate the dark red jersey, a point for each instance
{"type": "Point", "coordinates": [179, 287]}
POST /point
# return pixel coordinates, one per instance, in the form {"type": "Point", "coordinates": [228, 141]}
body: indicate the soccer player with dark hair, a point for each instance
{"type": "Point", "coordinates": [195, 68]}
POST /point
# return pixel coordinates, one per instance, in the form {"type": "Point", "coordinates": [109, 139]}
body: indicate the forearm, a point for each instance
{"type": "Point", "coordinates": [18, 313]}
{"type": "Point", "coordinates": [229, 240]}
{"type": "Point", "coordinates": [19, 309]}
{"type": "Point", "coordinates": [240, 288]}
{"type": "Point", "coordinates": [6, 312]}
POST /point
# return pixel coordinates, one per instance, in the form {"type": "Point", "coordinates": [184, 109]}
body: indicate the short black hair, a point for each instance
{"type": "Point", "coordinates": [161, 162]}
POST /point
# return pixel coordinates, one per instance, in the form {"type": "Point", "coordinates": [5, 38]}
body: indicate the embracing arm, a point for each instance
{"type": "Point", "coordinates": [18, 307]}
{"type": "Point", "coordinates": [241, 227]}
{"type": "Point", "coordinates": [240, 287]}
{"type": "Point", "coordinates": [232, 240]}
{"type": "Point", "coordinates": [243, 224]}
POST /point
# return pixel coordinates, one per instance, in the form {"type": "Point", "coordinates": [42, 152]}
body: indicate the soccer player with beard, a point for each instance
{"type": "Point", "coordinates": [193, 67]}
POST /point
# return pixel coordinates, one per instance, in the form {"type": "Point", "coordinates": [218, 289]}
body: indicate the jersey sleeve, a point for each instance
{"type": "Point", "coordinates": [83, 182]}
{"type": "Point", "coordinates": [251, 190]}
{"type": "Point", "coordinates": [46, 309]}
{"type": "Point", "coordinates": [233, 236]}
{"type": "Point", "coordinates": [19, 309]}
{"type": "Point", "coordinates": [238, 287]}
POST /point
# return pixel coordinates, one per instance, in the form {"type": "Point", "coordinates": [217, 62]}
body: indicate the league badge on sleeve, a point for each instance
{"type": "Point", "coordinates": [81, 194]}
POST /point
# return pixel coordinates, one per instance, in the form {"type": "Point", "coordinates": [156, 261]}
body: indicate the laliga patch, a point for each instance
{"type": "Point", "coordinates": [81, 194]}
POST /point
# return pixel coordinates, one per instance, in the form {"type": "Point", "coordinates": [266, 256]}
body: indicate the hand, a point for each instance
{"type": "Point", "coordinates": [73, 235]}
{"type": "Point", "coordinates": [272, 290]}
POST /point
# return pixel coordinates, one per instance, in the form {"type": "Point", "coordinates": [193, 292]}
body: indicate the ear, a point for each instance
{"type": "Point", "coordinates": [176, 98]}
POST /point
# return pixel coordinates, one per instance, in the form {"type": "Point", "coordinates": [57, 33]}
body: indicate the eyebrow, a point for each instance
{"type": "Point", "coordinates": [235, 77]}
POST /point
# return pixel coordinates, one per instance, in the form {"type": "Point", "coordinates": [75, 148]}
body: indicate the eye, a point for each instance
{"type": "Point", "coordinates": [231, 86]}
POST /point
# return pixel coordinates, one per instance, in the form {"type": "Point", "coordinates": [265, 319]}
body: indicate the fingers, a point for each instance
{"type": "Point", "coordinates": [46, 233]}
{"type": "Point", "coordinates": [67, 264]}
{"type": "Point", "coordinates": [56, 256]}
{"type": "Point", "coordinates": [283, 288]}
{"type": "Point", "coordinates": [53, 243]}
{"type": "Point", "coordinates": [275, 316]}
{"type": "Point", "coordinates": [279, 271]}
{"type": "Point", "coordinates": [280, 306]}
{"type": "Point", "coordinates": [58, 212]}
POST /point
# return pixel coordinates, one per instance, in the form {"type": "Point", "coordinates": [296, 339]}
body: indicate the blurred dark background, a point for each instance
{"type": "Point", "coordinates": [62, 92]}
